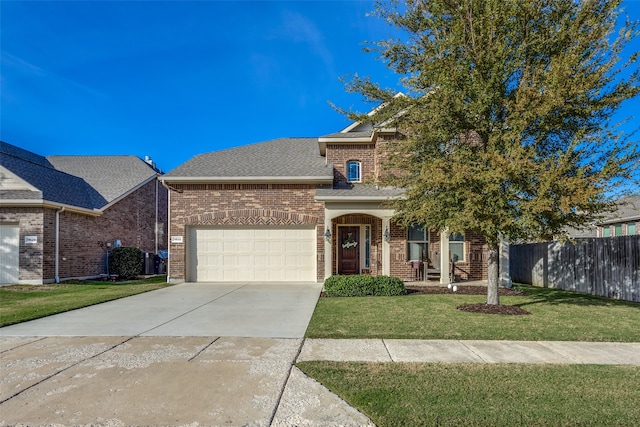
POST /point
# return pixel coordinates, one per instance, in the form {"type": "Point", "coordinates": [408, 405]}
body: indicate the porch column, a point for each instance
{"type": "Point", "coordinates": [505, 274]}
{"type": "Point", "coordinates": [444, 258]}
{"type": "Point", "coordinates": [386, 248]}
{"type": "Point", "coordinates": [328, 248]}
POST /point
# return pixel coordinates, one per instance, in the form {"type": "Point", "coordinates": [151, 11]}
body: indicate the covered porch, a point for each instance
{"type": "Point", "coordinates": [361, 238]}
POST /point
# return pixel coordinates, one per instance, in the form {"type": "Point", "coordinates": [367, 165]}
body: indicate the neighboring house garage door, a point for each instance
{"type": "Point", "coordinates": [231, 254]}
{"type": "Point", "coordinates": [9, 253]}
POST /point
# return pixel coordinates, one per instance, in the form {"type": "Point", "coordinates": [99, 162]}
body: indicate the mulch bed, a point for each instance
{"type": "Point", "coordinates": [471, 290]}
{"type": "Point", "coordinates": [510, 310]}
{"type": "Point", "coordinates": [475, 290]}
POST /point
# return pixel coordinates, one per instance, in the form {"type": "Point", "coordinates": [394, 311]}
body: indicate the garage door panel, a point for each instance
{"type": "Point", "coordinates": [255, 254]}
{"type": "Point", "coordinates": [275, 246]}
{"type": "Point", "coordinates": [261, 246]}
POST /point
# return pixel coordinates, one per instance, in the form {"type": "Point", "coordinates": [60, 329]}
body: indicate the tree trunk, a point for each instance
{"type": "Point", "coordinates": [493, 273]}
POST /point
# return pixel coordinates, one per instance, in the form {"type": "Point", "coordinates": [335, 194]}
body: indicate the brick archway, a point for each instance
{"type": "Point", "coordinates": [251, 217]}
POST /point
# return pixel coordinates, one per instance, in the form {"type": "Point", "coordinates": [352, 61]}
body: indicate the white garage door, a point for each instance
{"type": "Point", "coordinates": [9, 253]}
{"type": "Point", "coordinates": [232, 254]}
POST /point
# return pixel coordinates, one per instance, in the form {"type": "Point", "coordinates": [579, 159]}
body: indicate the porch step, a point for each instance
{"type": "Point", "coordinates": [432, 273]}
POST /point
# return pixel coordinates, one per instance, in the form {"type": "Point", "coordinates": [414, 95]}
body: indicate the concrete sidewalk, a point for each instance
{"type": "Point", "coordinates": [470, 351]}
{"type": "Point", "coordinates": [214, 381]}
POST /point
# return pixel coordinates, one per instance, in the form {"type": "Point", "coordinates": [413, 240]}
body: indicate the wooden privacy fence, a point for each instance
{"type": "Point", "coordinates": [608, 267]}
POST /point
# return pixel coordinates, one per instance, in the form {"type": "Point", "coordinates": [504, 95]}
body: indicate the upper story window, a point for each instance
{"type": "Point", "coordinates": [354, 170]}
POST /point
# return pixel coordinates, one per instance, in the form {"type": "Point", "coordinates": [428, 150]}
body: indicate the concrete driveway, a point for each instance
{"type": "Point", "coordinates": [273, 310]}
{"type": "Point", "coordinates": [191, 354]}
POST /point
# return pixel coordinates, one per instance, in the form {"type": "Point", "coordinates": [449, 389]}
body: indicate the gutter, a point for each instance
{"type": "Point", "coordinates": [348, 199]}
{"type": "Point", "coordinates": [248, 179]}
{"type": "Point", "coordinates": [47, 204]}
{"type": "Point", "coordinates": [56, 257]}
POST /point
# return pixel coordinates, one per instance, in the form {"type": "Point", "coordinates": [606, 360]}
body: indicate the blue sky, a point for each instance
{"type": "Point", "coordinates": [175, 79]}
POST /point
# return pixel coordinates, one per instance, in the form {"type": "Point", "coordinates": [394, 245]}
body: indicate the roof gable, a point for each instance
{"type": "Point", "coordinates": [52, 185]}
{"type": "Point", "coordinates": [628, 210]}
{"type": "Point", "coordinates": [88, 182]}
{"type": "Point", "coordinates": [110, 176]}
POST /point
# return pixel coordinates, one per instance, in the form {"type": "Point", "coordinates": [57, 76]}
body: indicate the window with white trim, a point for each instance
{"type": "Point", "coordinates": [617, 229]}
{"type": "Point", "coordinates": [418, 243]}
{"type": "Point", "coordinates": [354, 171]}
{"type": "Point", "coordinates": [456, 247]}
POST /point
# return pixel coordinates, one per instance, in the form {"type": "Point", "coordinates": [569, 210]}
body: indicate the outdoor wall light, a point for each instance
{"type": "Point", "coordinates": [327, 234]}
{"type": "Point", "coordinates": [387, 235]}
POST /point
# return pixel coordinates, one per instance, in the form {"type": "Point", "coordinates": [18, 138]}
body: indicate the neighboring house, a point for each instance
{"type": "Point", "coordinates": [301, 209]}
{"type": "Point", "coordinates": [58, 213]}
{"type": "Point", "coordinates": [624, 222]}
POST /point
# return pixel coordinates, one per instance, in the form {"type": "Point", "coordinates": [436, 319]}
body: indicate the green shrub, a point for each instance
{"type": "Point", "coordinates": [126, 262]}
{"type": "Point", "coordinates": [363, 285]}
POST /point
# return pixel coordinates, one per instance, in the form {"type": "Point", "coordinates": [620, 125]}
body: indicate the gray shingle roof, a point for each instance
{"type": "Point", "coordinates": [89, 182]}
{"type": "Point", "coordinates": [628, 209]}
{"type": "Point", "coordinates": [109, 176]}
{"type": "Point", "coordinates": [284, 157]}
{"type": "Point", "coordinates": [358, 192]}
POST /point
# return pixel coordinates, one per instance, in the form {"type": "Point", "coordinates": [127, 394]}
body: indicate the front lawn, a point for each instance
{"type": "Point", "coordinates": [418, 394]}
{"type": "Point", "coordinates": [556, 316]}
{"type": "Point", "coordinates": [19, 303]}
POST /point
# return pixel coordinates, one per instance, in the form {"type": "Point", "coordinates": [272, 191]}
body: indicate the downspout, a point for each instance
{"type": "Point", "coordinates": [156, 252]}
{"type": "Point", "coordinates": [168, 235]}
{"type": "Point", "coordinates": [57, 246]}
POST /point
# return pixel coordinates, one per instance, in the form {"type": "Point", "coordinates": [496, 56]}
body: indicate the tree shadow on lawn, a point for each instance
{"type": "Point", "coordinates": [550, 296]}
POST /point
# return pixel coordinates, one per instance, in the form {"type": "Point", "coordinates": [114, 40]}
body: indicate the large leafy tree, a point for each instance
{"type": "Point", "coordinates": [505, 128]}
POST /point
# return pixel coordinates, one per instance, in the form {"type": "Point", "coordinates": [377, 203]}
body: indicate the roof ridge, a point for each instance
{"type": "Point", "coordinates": [253, 144]}
{"type": "Point", "coordinates": [19, 156]}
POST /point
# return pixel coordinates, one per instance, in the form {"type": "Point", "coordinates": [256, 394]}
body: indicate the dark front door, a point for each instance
{"type": "Point", "coordinates": [348, 250]}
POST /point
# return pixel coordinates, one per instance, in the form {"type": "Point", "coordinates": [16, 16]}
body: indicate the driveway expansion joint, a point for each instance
{"type": "Point", "coordinates": [191, 311]}
{"type": "Point", "coordinates": [203, 349]}
{"type": "Point", "coordinates": [23, 344]}
{"type": "Point", "coordinates": [284, 385]}
{"type": "Point", "coordinates": [48, 377]}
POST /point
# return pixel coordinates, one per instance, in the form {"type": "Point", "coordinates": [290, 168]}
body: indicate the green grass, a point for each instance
{"type": "Point", "coordinates": [556, 316]}
{"type": "Point", "coordinates": [411, 394]}
{"type": "Point", "coordinates": [19, 303]}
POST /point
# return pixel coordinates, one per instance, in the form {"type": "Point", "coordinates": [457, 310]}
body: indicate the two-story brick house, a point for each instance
{"type": "Point", "coordinates": [301, 209]}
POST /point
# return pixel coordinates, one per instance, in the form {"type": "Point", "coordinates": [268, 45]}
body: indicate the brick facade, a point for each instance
{"type": "Point", "coordinates": [241, 204]}
{"type": "Point", "coordinates": [340, 154]}
{"type": "Point", "coordinates": [280, 204]}
{"type": "Point", "coordinates": [131, 220]}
